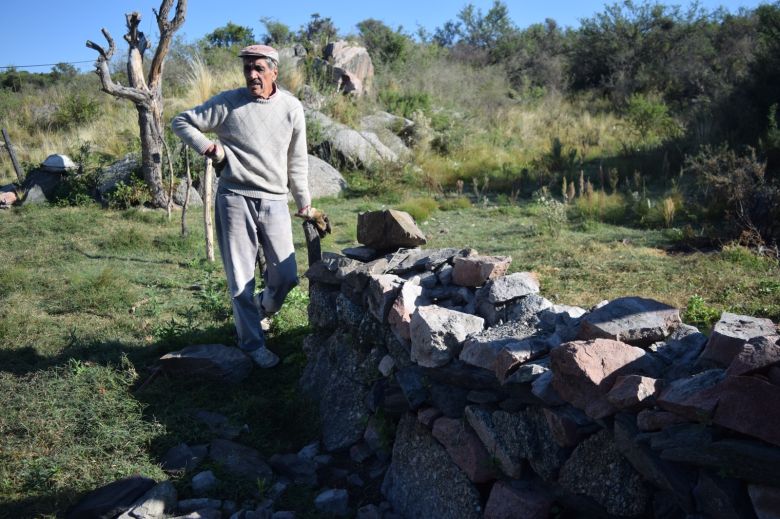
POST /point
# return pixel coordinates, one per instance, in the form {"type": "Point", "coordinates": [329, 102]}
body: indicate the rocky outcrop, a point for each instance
{"type": "Point", "coordinates": [349, 66]}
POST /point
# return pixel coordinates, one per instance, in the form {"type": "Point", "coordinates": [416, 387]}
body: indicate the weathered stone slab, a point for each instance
{"type": "Point", "coordinates": [730, 333]}
{"type": "Point", "coordinates": [524, 309]}
{"type": "Point", "coordinates": [654, 420]}
{"type": "Point", "coordinates": [465, 449]}
{"type": "Point", "coordinates": [322, 301]}
{"type": "Point", "coordinates": [506, 288]}
{"type": "Point", "coordinates": [584, 371]}
{"type": "Point", "coordinates": [543, 388]}
{"type": "Point", "coordinates": [406, 302]}
{"type": "Point", "coordinates": [299, 470]}
{"type": "Point", "coordinates": [567, 425]}
{"type": "Point", "coordinates": [182, 458]}
{"type": "Point", "coordinates": [756, 355]}
{"type": "Point", "coordinates": [423, 260]}
{"type": "Point", "coordinates": [675, 480]}
{"type": "Point", "coordinates": [743, 459]}
{"type": "Point", "coordinates": [361, 253]}
{"type": "Point", "coordinates": [112, 499]}
{"type": "Point", "coordinates": [203, 482]}
{"type": "Point", "coordinates": [509, 502]}
{"type": "Point", "coordinates": [680, 352]}
{"type": "Point", "coordinates": [422, 480]}
{"type": "Point", "coordinates": [210, 361]}
{"type": "Point", "coordinates": [721, 497]}
{"type": "Point", "coordinates": [388, 230]}
{"type": "Point", "coordinates": [634, 391]}
{"type": "Point", "coordinates": [596, 469]}
{"type": "Point", "coordinates": [765, 500]}
{"type": "Point", "coordinates": [528, 372]}
{"type": "Point", "coordinates": [482, 348]}
{"type": "Point", "coordinates": [239, 460]}
{"type": "Point", "coordinates": [334, 501]}
{"type": "Point", "coordinates": [751, 406]}
{"type": "Point", "coordinates": [381, 294]}
{"type": "Point", "coordinates": [154, 504]}
{"type": "Point", "coordinates": [413, 386]}
{"type": "Point", "coordinates": [499, 433]}
{"type": "Point", "coordinates": [475, 271]}
{"type": "Point", "coordinates": [693, 397]}
{"type": "Point", "coordinates": [437, 334]}
{"type": "Point", "coordinates": [633, 320]}
{"type": "Point", "coordinates": [513, 355]}
{"type": "Point", "coordinates": [333, 268]}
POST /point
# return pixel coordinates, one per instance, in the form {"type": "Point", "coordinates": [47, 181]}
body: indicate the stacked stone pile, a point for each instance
{"type": "Point", "coordinates": [483, 398]}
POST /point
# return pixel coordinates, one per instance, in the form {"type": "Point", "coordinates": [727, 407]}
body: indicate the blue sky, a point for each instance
{"type": "Point", "coordinates": [49, 31]}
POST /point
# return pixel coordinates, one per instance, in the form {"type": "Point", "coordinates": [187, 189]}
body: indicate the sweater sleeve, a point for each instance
{"type": "Point", "coordinates": [298, 160]}
{"type": "Point", "coordinates": [190, 124]}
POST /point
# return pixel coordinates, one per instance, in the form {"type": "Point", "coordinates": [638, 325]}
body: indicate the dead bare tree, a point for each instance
{"type": "Point", "coordinates": [145, 93]}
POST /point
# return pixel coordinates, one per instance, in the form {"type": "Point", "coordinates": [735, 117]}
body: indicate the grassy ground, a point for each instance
{"type": "Point", "coordinates": [89, 298]}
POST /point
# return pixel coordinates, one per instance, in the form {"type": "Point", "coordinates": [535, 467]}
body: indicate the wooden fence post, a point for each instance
{"type": "Point", "coordinates": [12, 153]}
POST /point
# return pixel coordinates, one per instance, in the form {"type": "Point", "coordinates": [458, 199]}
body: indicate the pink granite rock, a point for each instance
{"type": "Point", "coordinates": [405, 304]}
{"type": "Point", "coordinates": [634, 391]}
{"type": "Point", "coordinates": [465, 449]}
{"type": "Point", "coordinates": [730, 333]}
{"type": "Point", "coordinates": [475, 271]}
{"type": "Point", "coordinates": [749, 405]}
{"type": "Point", "coordinates": [584, 371]}
{"type": "Point", "coordinates": [756, 355]}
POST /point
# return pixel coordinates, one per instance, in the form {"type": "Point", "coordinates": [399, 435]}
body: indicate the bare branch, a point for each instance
{"type": "Point", "coordinates": [167, 29]}
{"type": "Point", "coordinates": [101, 68]}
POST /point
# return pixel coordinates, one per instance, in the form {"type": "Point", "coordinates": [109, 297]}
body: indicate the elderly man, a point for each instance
{"type": "Point", "coordinates": [261, 151]}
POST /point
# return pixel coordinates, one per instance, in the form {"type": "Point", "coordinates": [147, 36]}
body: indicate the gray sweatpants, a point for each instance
{"type": "Point", "coordinates": [243, 225]}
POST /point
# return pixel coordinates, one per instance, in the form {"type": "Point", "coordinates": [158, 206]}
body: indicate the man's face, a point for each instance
{"type": "Point", "coordinates": [259, 76]}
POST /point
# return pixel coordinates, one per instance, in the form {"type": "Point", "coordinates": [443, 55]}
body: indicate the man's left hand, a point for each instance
{"type": "Point", "coordinates": [318, 218]}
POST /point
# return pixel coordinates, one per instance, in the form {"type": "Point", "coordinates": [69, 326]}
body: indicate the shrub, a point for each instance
{"type": "Point", "coordinates": [419, 208]}
{"type": "Point", "coordinates": [405, 104]}
{"type": "Point", "coordinates": [699, 313]}
{"type": "Point", "coordinates": [125, 196]}
{"type": "Point", "coordinates": [602, 207]}
{"type": "Point", "coordinates": [453, 204]}
{"type": "Point", "coordinates": [75, 110]}
{"type": "Point", "coordinates": [733, 189]}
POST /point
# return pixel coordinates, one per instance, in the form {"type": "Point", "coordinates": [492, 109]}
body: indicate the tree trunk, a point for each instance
{"type": "Point", "coordinates": [151, 154]}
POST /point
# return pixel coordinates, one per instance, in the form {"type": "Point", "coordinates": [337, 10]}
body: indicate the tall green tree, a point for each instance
{"type": "Point", "coordinates": [231, 35]}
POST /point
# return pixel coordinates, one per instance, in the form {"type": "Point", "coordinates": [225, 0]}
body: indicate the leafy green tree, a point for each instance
{"type": "Point", "coordinates": [231, 35]}
{"type": "Point", "coordinates": [318, 32]}
{"type": "Point", "coordinates": [276, 33]}
{"type": "Point", "coordinates": [385, 45]}
{"type": "Point", "coordinates": [63, 71]}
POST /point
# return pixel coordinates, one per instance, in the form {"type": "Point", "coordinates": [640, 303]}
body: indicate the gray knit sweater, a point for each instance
{"type": "Point", "coordinates": [264, 142]}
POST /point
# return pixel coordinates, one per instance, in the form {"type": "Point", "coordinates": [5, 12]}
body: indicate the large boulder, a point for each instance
{"type": "Point", "coordinates": [122, 170]}
{"type": "Point", "coordinates": [41, 186]}
{"type": "Point", "coordinates": [393, 131]}
{"type": "Point", "coordinates": [749, 405]}
{"type": "Point", "coordinates": [633, 320]}
{"type": "Point", "coordinates": [340, 145]}
{"type": "Point", "coordinates": [350, 67]}
{"type": "Point", "coordinates": [584, 371]}
{"type": "Point", "coordinates": [210, 361]}
{"type": "Point", "coordinates": [58, 163]}
{"type": "Point", "coordinates": [240, 460]}
{"type": "Point", "coordinates": [388, 230]}
{"type": "Point", "coordinates": [422, 480]}
{"type": "Point", "coordinates": [324, 179]}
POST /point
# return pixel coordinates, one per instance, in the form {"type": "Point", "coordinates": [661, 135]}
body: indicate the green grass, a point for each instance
{"type": "Point", "coordinates": [90, 298]}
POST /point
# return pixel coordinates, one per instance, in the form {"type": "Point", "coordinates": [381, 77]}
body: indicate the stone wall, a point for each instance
{"type": "Point", "coordinates": [477, 397]}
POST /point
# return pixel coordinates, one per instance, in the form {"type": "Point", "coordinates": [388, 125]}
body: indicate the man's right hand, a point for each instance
{"type": "Point", "coordinates": [215, 152]}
